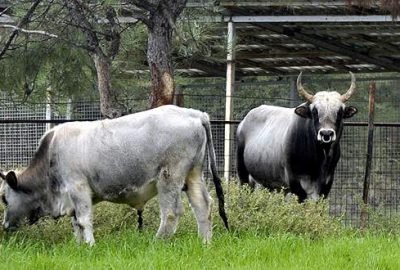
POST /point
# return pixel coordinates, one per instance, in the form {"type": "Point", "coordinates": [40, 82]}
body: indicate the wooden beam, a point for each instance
{"type": "Point", "coordinates": [272, 53]}
{"type": "Point", "coordinates": [311, 19]}
{"type": "Point", "coordinates": [212, 68]}
{"type": "Point", "coordinates": [287, 3]}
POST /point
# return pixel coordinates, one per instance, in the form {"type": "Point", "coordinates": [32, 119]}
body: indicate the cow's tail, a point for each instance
{"type": "Point", "coordinates": [241, 167]}
{"type": "Point", "coordinates": [212, 163]}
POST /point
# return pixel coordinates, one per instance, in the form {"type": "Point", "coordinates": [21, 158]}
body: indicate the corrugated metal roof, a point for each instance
{"type": "Point", "coordinates": [283, 37]}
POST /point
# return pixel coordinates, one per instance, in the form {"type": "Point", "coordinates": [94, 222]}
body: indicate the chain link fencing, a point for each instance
{"type": "Point", "coordinates": [22, 125]}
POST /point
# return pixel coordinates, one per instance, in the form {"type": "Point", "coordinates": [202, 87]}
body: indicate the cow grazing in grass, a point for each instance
{"type": "Point", "coordinates": [125, 160]}
{"type": "Point", "coordinates": [295, 148]}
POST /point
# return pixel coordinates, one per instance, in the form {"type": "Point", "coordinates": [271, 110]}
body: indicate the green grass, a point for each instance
{"type": "Point", "coordinates": [268, 232]}
{"type": "Point", "coordinates": [129, 249]}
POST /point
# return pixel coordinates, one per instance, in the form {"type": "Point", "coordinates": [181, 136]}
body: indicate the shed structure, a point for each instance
{"type": "Point", "coordinates": [283, 37]}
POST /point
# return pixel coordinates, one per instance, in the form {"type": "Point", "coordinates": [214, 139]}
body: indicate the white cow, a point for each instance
{"type": "Point", "coordinates": [125, 160]}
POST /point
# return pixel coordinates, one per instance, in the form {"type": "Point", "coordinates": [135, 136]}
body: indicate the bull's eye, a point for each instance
{"type": "Point", "coordinates": [315, 112]}
{"type": "Point", "coordinates": [3, 198]}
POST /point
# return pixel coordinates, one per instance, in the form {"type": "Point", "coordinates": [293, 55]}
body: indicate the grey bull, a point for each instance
{"type": "Point", "coordinates": [125, 160]}
{"type": "Point", "coordinates": [294, 148]}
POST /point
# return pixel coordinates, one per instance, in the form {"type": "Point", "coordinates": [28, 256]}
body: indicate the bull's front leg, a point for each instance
{"type": "Point", "coordinates": [326, 185]}
{"type": "Point", "coordinates": [82, 218]}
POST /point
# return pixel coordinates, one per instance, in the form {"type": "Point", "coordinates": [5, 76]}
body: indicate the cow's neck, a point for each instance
{"type": "Point", "coordinates": [306, 154]}
{"type": "Point", "coordinates": [36, 175]}
{"type": "Point", "coordinates": [34, 178]}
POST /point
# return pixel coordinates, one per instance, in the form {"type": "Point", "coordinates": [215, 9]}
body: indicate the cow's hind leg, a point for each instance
{"type": "Point", "coordinates": [201, 203]}
{"type": "Point", "coordinates": [82, 218]}
{"type": "Point", "coordinates": [171, 208]}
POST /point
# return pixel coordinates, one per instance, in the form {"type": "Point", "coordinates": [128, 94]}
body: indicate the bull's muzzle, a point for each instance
{"type": "Point", "coordinates": [326, 135]}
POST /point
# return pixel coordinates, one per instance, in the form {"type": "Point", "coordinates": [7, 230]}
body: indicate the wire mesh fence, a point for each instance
{"type": "Point", "coordinates": [20, 134]}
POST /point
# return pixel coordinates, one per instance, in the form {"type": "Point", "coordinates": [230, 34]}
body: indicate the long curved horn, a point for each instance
{"type": "Point", "coordinates": [302, 92]}
{"type": "Point", "coordinates": [2, 176]}
{"type": "Point", "coordinates": [345, 97]}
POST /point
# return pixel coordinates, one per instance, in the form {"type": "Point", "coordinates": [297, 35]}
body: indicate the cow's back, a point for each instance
{"type": "Point", "coordinates": [263, 133]}
{"type": "Point", "coordinates": [126, 153]}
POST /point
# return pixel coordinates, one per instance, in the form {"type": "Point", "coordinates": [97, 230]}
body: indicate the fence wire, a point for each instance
{"type": "Point", "coordinates": [18, 141]}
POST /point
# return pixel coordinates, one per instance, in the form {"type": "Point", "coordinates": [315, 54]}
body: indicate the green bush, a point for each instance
{"type": "Point", "coordinates": [272, 212]}
{"type": "Point", "coordinates": [261, 212]}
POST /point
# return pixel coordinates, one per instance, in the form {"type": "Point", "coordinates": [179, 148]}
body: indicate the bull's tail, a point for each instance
{"type": "Point", "coordinates": [213, 166]}
{"type": "Point", "coordinates": [241, 167]}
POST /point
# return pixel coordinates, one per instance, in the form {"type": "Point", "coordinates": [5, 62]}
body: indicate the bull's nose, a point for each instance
{"type": "Point", "coordinates": [326, 135]}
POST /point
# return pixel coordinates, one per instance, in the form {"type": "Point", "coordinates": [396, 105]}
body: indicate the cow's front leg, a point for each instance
{"type": "Point", "coordinates": [77, 229]}
{"type": "Point", "coordinates": [82, 219]}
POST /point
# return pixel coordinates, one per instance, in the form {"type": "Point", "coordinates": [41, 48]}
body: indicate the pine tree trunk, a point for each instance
{"type": "Point", "coordinates": [159, 60]}
{"type": "Point", "coordinates": [109, 106]}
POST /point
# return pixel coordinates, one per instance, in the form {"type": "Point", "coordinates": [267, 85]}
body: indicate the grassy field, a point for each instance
{"type": "Point", "coordinates": [129, 249]}
{"type": "Point", "coordinates": [268, 232]}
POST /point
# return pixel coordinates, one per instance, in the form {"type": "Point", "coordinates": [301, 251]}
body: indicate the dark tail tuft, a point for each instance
{"type": "Point", "coordinates": [217, 181]}
{"type": "Point", "coordinates": [221, 200]}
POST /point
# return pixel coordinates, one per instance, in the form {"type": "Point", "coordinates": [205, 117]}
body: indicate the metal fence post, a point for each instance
{"type": "Point", "coordinates": [179, 97]}
{"type": "Point", "coordinates": [370, 148]}
{"type": "Point", "coordinates": [49, 109]}
{"type": "Point", "coordinates": [69, 109]}
{"type": "Point", "coordinates": [230, 81]}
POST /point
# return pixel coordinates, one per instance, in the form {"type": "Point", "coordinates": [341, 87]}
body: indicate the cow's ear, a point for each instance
{"type": "Point", "coordinates": [11, 179]}
{"type": "Point", "coordinates": [303, 111]}
{"type": "Point", "coordinates": [349, 112]}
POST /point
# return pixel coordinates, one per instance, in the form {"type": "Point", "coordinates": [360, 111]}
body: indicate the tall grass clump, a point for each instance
{"type": "Point", "coordinates": [261, 212]}
{"type": "Point", "coordinates": [272, 212]}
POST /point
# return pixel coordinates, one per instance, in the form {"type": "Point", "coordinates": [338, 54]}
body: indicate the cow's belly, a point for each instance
{"type": "Point", "coordinates": [136, 197]}
{"type": "Point", "coordinates": [266, 169]}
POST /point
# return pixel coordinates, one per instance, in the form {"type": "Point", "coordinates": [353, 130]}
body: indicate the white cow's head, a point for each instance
{"type": "Point", "coordinates": [19, 203]}
{"type": "Point", "coordinates": [327, 110]}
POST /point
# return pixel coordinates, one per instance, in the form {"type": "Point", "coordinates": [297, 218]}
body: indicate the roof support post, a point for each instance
{"type": "Point", "coordinates": [230, 85]}
{"type": "Point", "coordinates": [49, 107]}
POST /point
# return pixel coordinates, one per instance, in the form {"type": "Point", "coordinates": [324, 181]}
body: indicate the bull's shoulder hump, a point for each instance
{"type": "Point", "coordinates": [264, 112]}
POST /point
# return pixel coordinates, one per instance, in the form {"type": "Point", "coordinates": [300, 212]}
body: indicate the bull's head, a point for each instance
{"type": "Point", "coordinates": [327, 110]}
{"type": "Point", "coordinates": [19, 203]}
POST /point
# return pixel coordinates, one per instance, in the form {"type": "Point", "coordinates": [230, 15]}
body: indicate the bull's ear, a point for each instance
{"type": "Point", "coordinates": [349, 112]}
{"type": "Point", "coordinates": [11, 179]}
{"type": "Point", "coordinates": [303, 111]}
